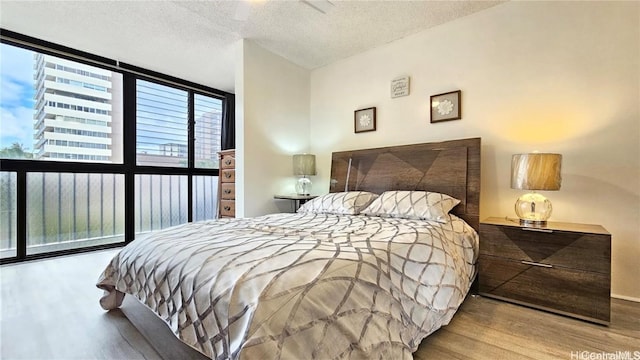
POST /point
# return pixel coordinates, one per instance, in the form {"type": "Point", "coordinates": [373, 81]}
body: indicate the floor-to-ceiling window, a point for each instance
{"type": "Point", "coordinates": [94, 153]}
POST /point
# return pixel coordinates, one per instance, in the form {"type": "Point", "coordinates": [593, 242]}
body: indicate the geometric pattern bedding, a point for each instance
{"type": "Point", "coordinates": [412, 205]}
{"type": "Point", "coordinates": [299, 286]}
{"type": "Point", "coordinates": [348, 202]}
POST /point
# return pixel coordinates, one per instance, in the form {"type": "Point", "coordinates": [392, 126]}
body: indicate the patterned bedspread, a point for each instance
{"type": "Point", "coordinates": [299, 286]}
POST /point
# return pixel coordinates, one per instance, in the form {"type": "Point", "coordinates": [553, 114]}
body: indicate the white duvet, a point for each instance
{"type": "Point", "coordinates": [299, 286]}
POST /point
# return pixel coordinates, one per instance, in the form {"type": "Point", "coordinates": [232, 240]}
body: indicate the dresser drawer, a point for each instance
{"type": "Point", "coordinates": [227, 208]}
{"type": "Point", "coordinates": [228, 175]}
{"type": "Point", "coordinates": [228, 161]}
{"type": "Point", "coordinates": [572, 292]}
{"type": "Point", "coordinates": [575, 250]}
{"type": "Point", "coordinates": [228, 191]}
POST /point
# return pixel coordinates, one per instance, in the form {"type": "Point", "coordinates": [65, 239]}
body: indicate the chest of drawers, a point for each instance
{"type": "Point", "coordinates": [227, 184]}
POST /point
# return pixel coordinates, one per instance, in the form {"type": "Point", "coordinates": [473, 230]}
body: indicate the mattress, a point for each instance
{"type": "Point", "coordinates": [299, 286]}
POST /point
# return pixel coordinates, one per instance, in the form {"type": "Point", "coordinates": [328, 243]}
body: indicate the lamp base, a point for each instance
{"type": "Point", "coordinates": [539, 223]}
{"type": "Point", "coordinates": [303, 186]}
{"type": "Point", "coordinates": [533, 209]}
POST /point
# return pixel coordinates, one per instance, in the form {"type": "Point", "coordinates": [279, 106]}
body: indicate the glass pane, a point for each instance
{"type": "Point", "coordinates": [208, 130]}
{"type": "Point", "coordinates": [161, 125]}
{"type": "Point", "coordinates": [8, 215]}
{"type": "Point", "coordinates": [57, 109]}
{"type": "Point", "coordinates": [205, 197]}
{"type": "Point", "coordinates": [70, 211]}
{"type": "Point", "coordinates": [160, 201]}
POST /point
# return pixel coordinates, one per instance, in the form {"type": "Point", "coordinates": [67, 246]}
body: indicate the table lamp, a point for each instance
{"type": "Point", "coordinates": [303, 166]}
{"type": "Point", "coordinates": [535, 171]}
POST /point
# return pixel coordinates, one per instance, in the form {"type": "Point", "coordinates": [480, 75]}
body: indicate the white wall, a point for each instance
{"type": "Point", "coordinates": [272, 124]}
{"type": "Point", "coordinates": [549, 76]}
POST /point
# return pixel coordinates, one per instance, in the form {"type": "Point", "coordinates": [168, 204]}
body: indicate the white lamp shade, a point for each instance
{"type": "Point", "coordinates": [536, 171]}
{"type": "Point", "coordinates": [304, 164]}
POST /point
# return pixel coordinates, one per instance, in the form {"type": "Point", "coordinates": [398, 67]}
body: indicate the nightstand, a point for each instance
{"type": "Point", "coordinates": [563, 267]}
{"type": "Point", "coordinates": [297, 199]}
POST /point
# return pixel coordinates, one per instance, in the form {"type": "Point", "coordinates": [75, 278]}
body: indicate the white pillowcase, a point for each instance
{"type": "Point", "coordinates": [350, 203]}
{"type": "Point", "coordinates": [423, 205]}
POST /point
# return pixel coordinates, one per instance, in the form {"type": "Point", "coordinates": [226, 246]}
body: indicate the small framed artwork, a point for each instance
{"type": "Point", "coordinates": [445, 107]}
{"type": "Point", "coordinates": [400, 87]}
{"type": "Point", "coordinates": [365, 120]}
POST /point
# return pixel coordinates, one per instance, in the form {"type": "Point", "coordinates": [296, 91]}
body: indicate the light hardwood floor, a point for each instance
{"type": "Point", "coordinates": [49, 310]}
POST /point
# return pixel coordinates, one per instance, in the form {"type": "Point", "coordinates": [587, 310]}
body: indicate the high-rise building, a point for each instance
{"type": "Point", "coordinates": [208, 133]}
{"type": "Point", "coordinates": [78, 111]}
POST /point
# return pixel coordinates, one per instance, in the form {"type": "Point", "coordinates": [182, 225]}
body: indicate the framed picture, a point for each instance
{"type": "Point", "coordinates": [365, 120]}
{"type": "Point", "coordinates": [400, 87]}
{"type": "Point", "coordinates": [445, 107]}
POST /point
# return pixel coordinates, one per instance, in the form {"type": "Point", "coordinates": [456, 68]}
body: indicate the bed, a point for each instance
{"type": "Point", "coordinates": [366, 271]}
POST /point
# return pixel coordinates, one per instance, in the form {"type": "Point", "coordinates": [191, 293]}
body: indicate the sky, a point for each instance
{"type": "Point", "coordinates": [16, 96]}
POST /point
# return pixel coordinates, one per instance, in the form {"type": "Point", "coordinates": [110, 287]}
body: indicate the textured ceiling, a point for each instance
{"type": "Point", "coordinates": [183, 35]}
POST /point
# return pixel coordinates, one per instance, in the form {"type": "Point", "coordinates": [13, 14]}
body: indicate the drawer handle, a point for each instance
{"type": "Point", "coordinates": [536, 264]}
{"type": "Point", "coordinates": [227, 175]}
{"type": "Point", "coordinates": [227, 208]}
{"type": "Point", "coordinates": [537, 230]}
{"type": "Point", "coordinates": [227, 191]}
{"type": "Point", "coordinates": [227, 162]}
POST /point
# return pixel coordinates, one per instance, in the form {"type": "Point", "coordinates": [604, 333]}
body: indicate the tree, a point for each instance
{"type": "Point", "coordinates": [15, 151]}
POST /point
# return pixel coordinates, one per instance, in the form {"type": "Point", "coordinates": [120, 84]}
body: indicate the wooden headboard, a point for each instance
{"type": "Point", "coordinates": [448, 167]}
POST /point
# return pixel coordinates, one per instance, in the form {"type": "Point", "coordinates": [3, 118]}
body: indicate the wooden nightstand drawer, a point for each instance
{"type": "Point", "coordinates": [562, 267]}
{"type": "Point", "coordinates": [571, 292]}
{"type": "Point", "coordinates": [227, 208]}
{"type": "Point", "coordinates": [228, 175]}
{"type": "Point", "coordinates": [228, 191]}
{"type": "Point", "coordinates": [574, 250]}
{"type": "Point", "coordinates": [228, 161]}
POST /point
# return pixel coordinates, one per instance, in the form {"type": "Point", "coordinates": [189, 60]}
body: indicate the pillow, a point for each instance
{"type": "Point", "coordinates": [350, 203]}
{"type": "Point", "coordinates": [422, 205]}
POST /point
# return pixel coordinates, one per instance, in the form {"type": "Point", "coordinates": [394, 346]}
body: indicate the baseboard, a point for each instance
{"type": "Point", "coordinates": [628, 298]}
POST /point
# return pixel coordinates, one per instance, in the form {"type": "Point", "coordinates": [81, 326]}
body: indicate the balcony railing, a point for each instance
{"type": "Point", "coordinates": [70, 211]}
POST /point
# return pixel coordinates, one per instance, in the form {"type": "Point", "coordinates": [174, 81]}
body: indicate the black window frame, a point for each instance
{"type": "Point", "coordinates": [128, 167]}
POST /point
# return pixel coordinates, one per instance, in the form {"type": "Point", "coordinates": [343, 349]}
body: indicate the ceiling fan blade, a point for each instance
{"type": "Point", "coordinates": [322, 6]}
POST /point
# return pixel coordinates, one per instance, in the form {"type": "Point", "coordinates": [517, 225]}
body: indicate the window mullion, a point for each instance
{"type": "Point", "coordinates": [129, 150]}
{"type": "Point", "coordinates": [191, 156]}
{"type": "Point", "coordinates": [21, 216]}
